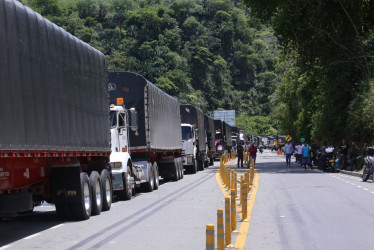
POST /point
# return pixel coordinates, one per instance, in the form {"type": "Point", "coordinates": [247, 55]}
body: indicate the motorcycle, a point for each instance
{"type": "Point", "coordinates": [327, 160]}
{"type": "Point", "coordinates": [369, 164]}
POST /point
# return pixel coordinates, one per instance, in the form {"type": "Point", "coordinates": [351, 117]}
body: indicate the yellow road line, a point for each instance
{"type": "Point", "coordinates": [244, 227]}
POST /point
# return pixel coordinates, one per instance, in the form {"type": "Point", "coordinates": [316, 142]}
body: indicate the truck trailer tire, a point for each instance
{"type": "Point", "coordinates": [126, 193]}
{"type": "Point", "coordinates": [200, 165]}
{"type": "Point", "coordinates": [82, 209]}
{"type": "Point", "coordinates": [107, 190]}
{"type": "Point", "coordinates": [97, 193]}
{"type": "Point", "coordinates": [148, 186]}
{"type": "Point", "coordinates": [156, 177]}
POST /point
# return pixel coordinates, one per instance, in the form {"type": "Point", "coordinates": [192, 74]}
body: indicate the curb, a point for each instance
{"type": "Point", "coordinates": [350, 173]}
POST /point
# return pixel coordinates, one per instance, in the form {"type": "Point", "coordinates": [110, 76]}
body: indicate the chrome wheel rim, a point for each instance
{"type": "Point", "coordinates": [128, 181]}
{"type": "Point", "coordinates": [107, 188]}
{"type": "Point", "coordinates": [98, 194]}
{"type": "Point", "coordinates": [87, 200]}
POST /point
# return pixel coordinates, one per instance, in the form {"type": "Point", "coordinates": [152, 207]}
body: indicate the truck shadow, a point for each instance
{"type": "Point", "coordinates": [13, 229]}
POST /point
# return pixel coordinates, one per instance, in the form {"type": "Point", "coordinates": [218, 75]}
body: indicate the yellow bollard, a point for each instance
{"type": "Point", "coordinates": [232, 179]}
{"type": "Point", "coordinates": [227, 222]}
{"type": "Point", "coordinates": [236, 184]}
{"type": "Point", "coordinates": [246, 179]}
{"type": "Point", "coordinates": [220, 230]}
{"type": "Point", "coordinates": [241, 188]}
{"type": "Point", "coordinates": [233, 211]}
{"type": "Point", "coordinates": [244, 202]}
{"type": "Point", "coordinates": [210, 237]}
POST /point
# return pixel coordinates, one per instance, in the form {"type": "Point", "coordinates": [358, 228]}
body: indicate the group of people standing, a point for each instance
{"type": "Point", "coordinates": [306, 155]}
{"type": "Point", "coordinates": [243, 151]}
{"type": "Point", "coordinates": [302, 153]}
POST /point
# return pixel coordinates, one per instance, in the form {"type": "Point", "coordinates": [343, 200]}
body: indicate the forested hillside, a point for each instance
{"type": "Point", "coordinates": [210, 53]}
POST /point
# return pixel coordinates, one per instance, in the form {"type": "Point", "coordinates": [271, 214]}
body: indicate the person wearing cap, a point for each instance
{"type": "Point", "coordinates": [288, 149]}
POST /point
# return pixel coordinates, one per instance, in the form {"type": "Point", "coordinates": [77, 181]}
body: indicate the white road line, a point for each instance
{"type": "Point", "coordinates": [372, 192]}
{"type": "Point", "coordinates": [31, 236]}
{"type": "Point", "coordinates": [5, 247]}
{"type": "Point", "coordinates": [359, 186]}
{"type": "Point", "coordinates": [57, 226]}
{"type": "Point", "coordinates": [366, 189]}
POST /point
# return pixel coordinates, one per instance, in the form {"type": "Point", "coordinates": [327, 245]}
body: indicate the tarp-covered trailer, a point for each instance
{"type": "Point", "coordinates": [227, 134]}
{"type": "Point", "coordinates": [210, 134]}
{"type": "Point", "coordinates": [54, 129]}
{"type": "Point", "coordinates": [158, 139]}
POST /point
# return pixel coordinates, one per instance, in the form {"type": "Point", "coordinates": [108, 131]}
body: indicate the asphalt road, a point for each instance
{"type": "Point", "coordinates": [294, 209]}
{"type": "Point", "coordinates": [173, 217]}
{"type": "Point", "coordinates": [309, 209]}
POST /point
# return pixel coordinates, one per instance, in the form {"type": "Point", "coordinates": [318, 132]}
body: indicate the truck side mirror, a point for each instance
{"type": "Point", "coordinates": [133, 119]}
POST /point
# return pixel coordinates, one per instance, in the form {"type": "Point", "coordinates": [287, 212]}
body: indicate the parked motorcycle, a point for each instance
{"type": "Point", "coordinates": [369, 164]}
{"type": "Point", "coordinates": [327, 160]}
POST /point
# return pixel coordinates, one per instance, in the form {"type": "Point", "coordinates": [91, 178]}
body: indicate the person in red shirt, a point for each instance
{"type": "Point", "coordinates": [252, 151]}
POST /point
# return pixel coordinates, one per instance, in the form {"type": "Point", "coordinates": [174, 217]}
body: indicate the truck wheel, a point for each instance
{"type": "Point", "coordinates": [211, 161]}
{"type": "Point", "coordinates": [182, 169]}
{"type": "Point", "coordinates": [82, 210]}
{"type": "Point", "coordinates": [194, 167]}
{"type": "Point", "coordinates": [156, 177]}
{"type": "Point", "coordinates": [97, 194]}
{"type": "Point", "coordinates": [150, 184]}
{"type": "Point", "coordinates": [200, 165]}
{"type": "Point", "coordinates": [126, 193]}
{"type": "Point", "coordinates": [63, 211]}
{"type": "Point", "coordinates": [206, 163]}
{"type": "Point", "coordinates": [107, 190]}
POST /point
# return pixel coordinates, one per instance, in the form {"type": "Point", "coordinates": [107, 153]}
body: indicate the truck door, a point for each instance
{"type": "Point", "coordinates": [123, 131]}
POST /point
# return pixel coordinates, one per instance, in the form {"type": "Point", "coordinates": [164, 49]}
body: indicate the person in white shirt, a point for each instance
{"type": "Point", "coordinates": [298, 152]}
{"type": "Point", "coordinates": [288, 149]}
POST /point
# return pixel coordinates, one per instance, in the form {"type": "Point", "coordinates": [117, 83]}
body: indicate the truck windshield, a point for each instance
{"type": "Point", "coordinates": [113, 119]}
{"type": "Point", "coordinates": [218, 136]}
{"type": "Point", "coordinates": [186, 133]}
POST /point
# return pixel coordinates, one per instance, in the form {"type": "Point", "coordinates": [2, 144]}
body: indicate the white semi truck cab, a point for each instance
{"type": "Point", "coordinates": [126, 174]}
{"type": "Point", "coordinates": [189, 155]}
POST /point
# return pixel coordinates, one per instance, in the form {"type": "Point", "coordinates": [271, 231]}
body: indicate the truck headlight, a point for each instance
{"type": "Point", "coordinates": [189, 159]}
{"type": "Point", "coordinates": [115, 164]}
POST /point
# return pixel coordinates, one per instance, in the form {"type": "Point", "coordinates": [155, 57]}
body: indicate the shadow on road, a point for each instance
{"type": "Point", "coordinates": [26, 225]}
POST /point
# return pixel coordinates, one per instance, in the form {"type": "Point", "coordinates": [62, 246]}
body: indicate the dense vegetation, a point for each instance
{"type": "Point", "coordinates": [210, 53]}
{"type": "Point", "coordinates": [326, 87]}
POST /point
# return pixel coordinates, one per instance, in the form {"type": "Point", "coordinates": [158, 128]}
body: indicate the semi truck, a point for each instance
{"type": "Point", "coordinates": [123, 122]}
{"type": "Point", "coordinates": [156, 145]}
{"type": "Point", "coordinates": [194, 138]}
{"type": "Point", "coordinates": [54, 130]}
{"type": "Point", "coordinates": [210, 135]}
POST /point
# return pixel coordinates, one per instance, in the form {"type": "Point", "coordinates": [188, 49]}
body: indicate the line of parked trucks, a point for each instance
{"type": "Point", "coordinates": [75, 135]}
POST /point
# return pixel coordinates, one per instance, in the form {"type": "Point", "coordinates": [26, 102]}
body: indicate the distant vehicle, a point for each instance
{"type": "Point", "coordinates": [195, 146]}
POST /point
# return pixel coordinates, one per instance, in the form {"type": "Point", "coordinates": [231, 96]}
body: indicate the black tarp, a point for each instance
{"type": "Point", "coordinates": [53, 88]}
{"type": "Point", "coordinates": [159, 125]}
{"type": "Point", "coordinates": [194, 116]}
{"type": "Point", "coordinates": [228, 134]}
{"type": "Point", "coordinates": [209, 128]}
